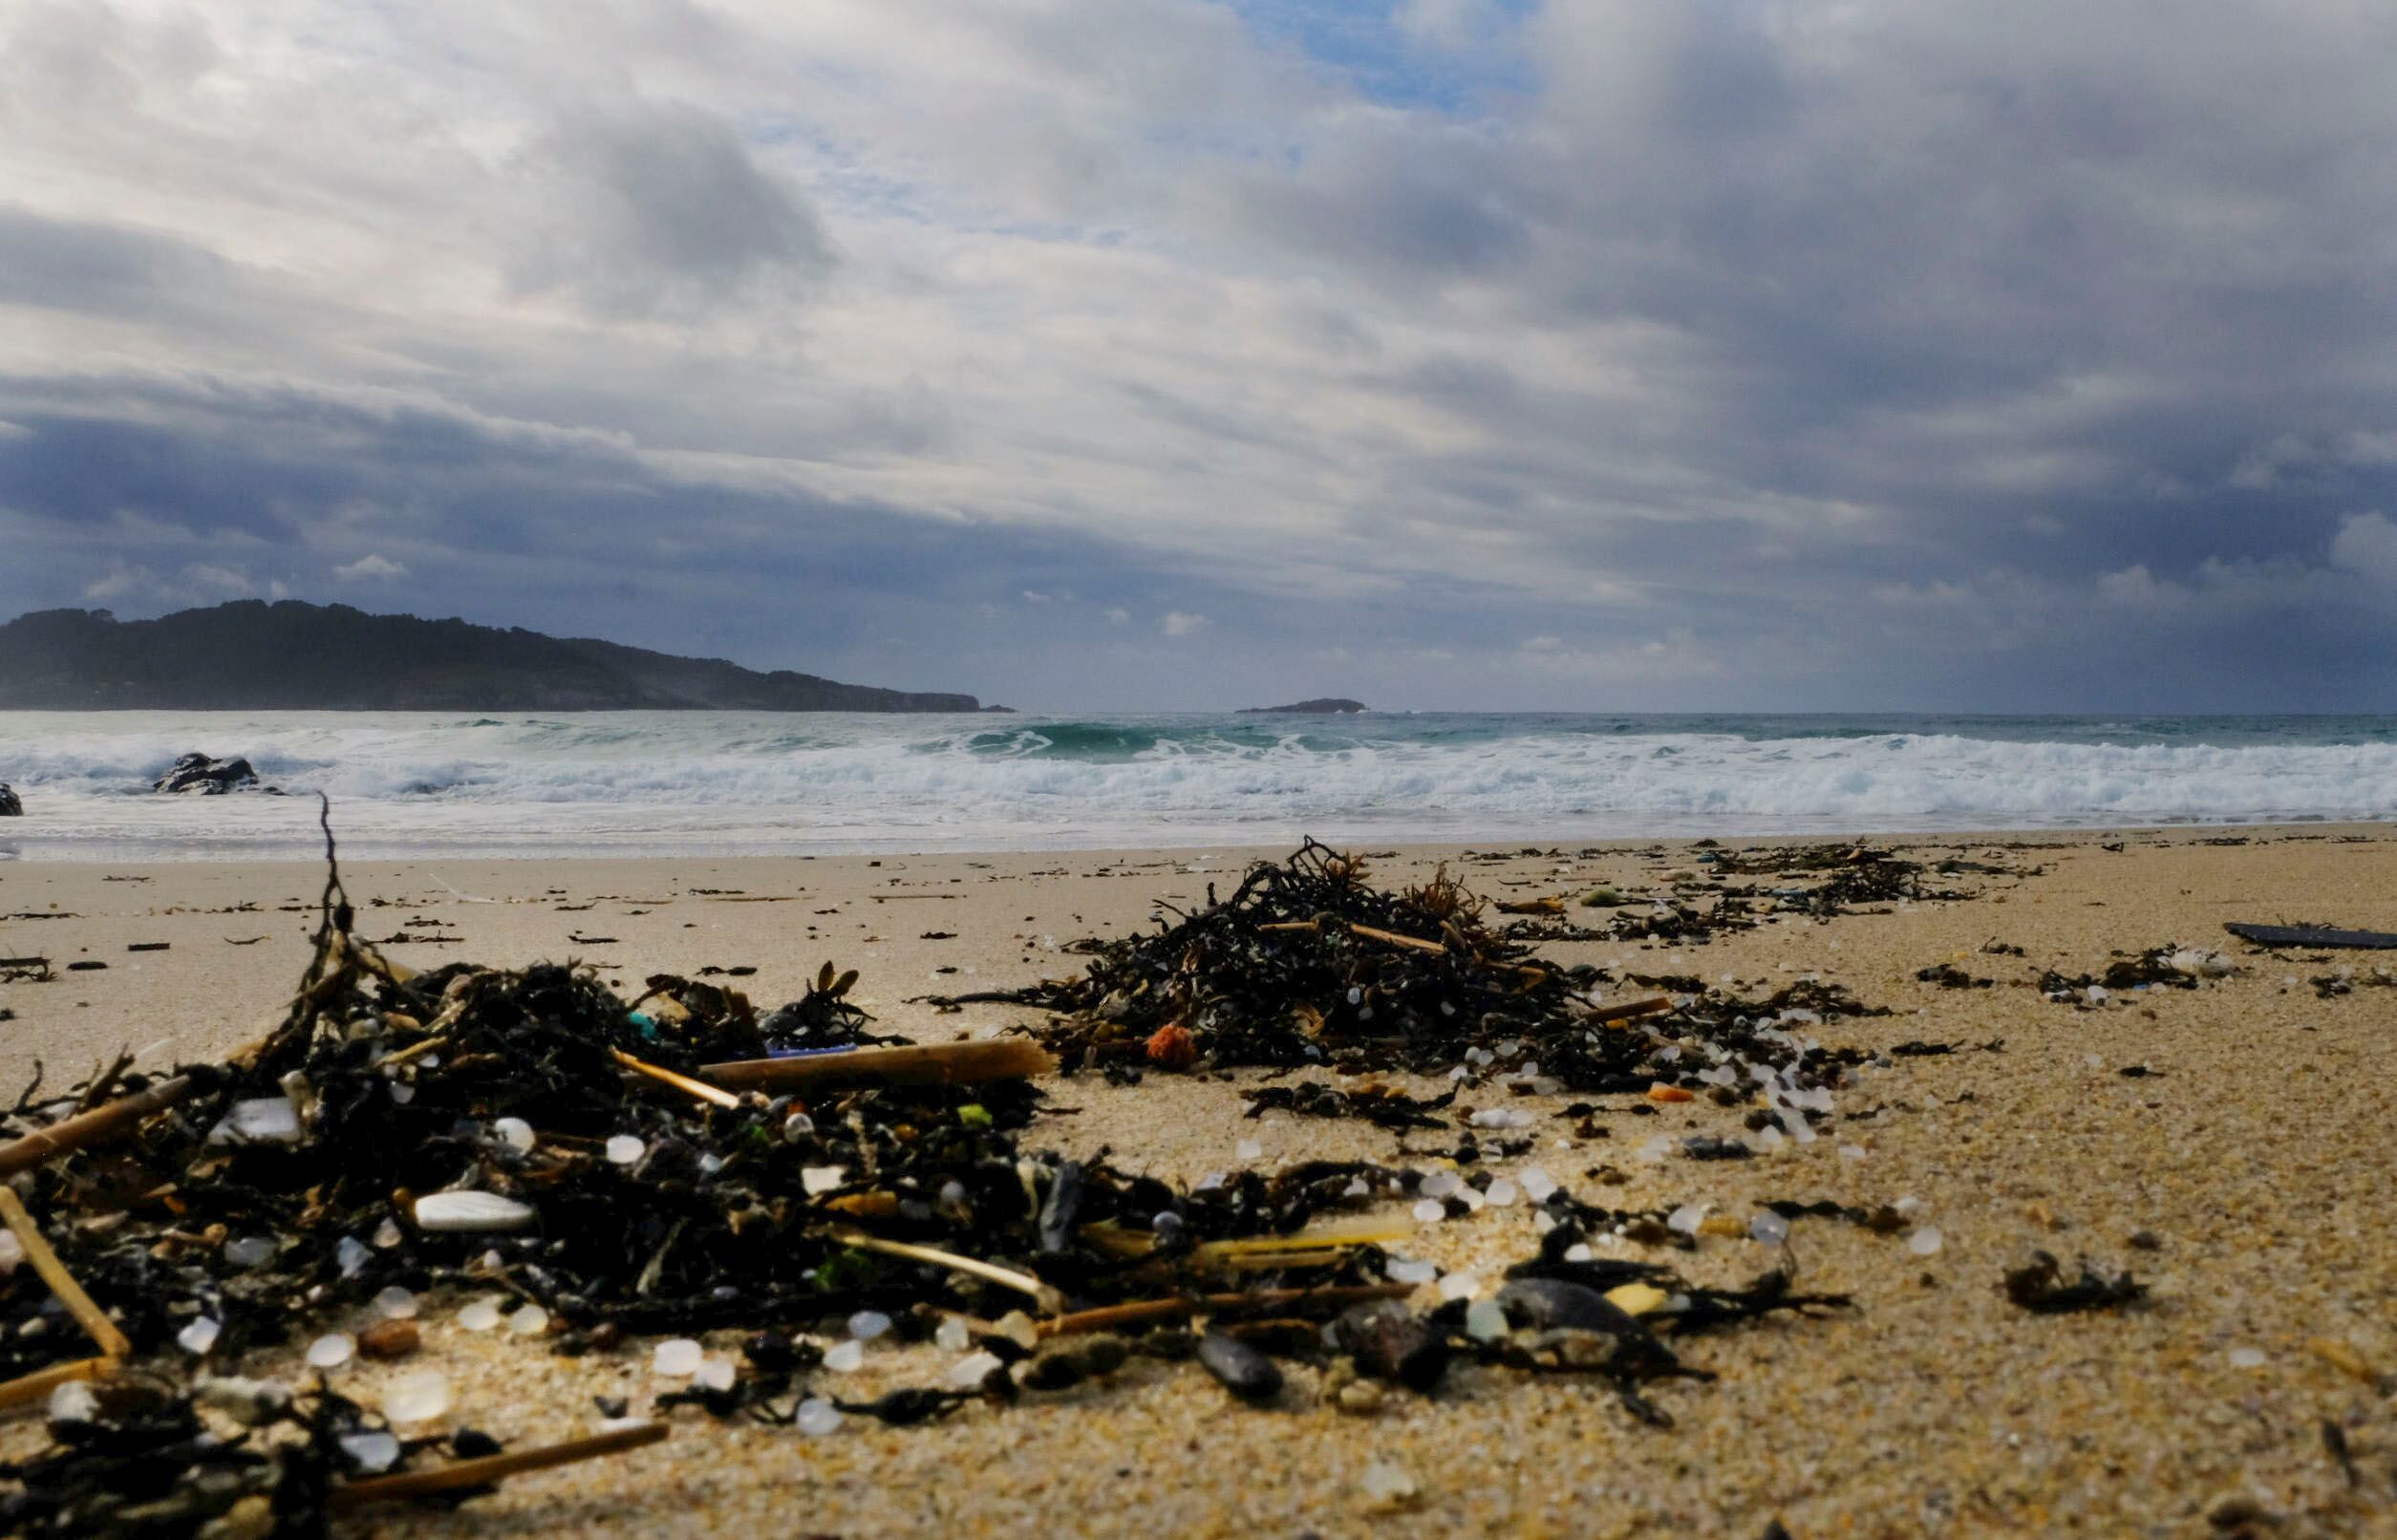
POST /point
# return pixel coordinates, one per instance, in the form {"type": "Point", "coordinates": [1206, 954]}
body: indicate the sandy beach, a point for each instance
{"type": "Point", "coordinates": [2229, 1143]}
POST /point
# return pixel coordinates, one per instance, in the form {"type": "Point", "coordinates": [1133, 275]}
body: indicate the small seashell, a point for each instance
{"type": "Point", "coordinates": [468, 1211]}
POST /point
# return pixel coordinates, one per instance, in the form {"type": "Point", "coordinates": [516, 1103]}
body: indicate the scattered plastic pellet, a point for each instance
{"type": "Point", "coordinates": [371, 1452]}
{"type": "Point", "coordinates": [331, 1351]}
{"type": "Point", "coordinates": [715, 1373]}
{"type": "Point", "coordinates": [479, 1315]}
{"type": "Point", "coordinates": [1431, 1211]}
{"type": "Point", "coordinates": [868, 1324]}
{"type": "Point", "coordinates": [419, 1396]}
{"type": "Point", "coordinates": [1925, 1241]}
{"type": "Point", "coordinates": [515, 1133]}
{"type": "Point", "coordinates": [953, 1335]}
{"type": "Point", "coordinates": [248, 1251]}
{"type": "Point", "coordinates": [199, 1336]}
{"type": "Point", "coordinates": [966, 1372]}
{"type": "Point", "coordinates": [530, 1320]}
{"type": "Point", "coordinates": [845, 1358]}
{"type": "Point", "coordinates": [817, 1418]}
{"type": "Point", "coordinates": [1386, 1485]}
{"type": "Point", "coordinates": [624, 1149]}
{"type": "Point", "coordinates": [395, 1303]}
{"type": "Point", "coordinates": [677, 1358]}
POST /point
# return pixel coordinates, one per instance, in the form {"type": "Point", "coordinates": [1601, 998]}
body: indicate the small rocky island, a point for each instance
{"type": "Point", "coordinates": [1321, 706]}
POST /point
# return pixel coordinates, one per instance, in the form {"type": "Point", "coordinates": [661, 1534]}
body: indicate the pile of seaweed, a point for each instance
{"type": "Point", "coordinates": [478, 1125]}
{"type": "Point", "coordinates": [1308, 964]}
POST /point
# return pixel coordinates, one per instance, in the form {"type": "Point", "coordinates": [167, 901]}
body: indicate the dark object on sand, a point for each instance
{"type": "Point", "coordinates": [1238, 1367]}
{"type": "Point", "coordinates": [2313, 935]}
{"type": "Point", "coordinates": [209, 778]}
{"type": "Point", "coordinates": [2040, 1287]}
{"type": "Point", "coordinates": [11, 805]}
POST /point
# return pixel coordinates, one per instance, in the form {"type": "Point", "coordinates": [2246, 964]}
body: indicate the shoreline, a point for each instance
{"type": "Point", "coordinates": [308, 849]}
{"type": "Point", "coordinates": [2249, 1148]}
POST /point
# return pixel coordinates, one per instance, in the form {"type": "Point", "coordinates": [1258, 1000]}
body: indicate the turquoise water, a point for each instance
{"type": "Point", "coordinates": [733, 783]}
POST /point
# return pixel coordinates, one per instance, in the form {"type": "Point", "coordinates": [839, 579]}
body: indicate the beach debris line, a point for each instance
{"type": "Point", "coordinates": [1308, 964]}
{"type": "Point", "coordinates": [560, 1156]}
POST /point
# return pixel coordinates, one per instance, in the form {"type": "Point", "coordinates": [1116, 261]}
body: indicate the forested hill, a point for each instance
{"type": "Point", "coordinates": [257, 656]}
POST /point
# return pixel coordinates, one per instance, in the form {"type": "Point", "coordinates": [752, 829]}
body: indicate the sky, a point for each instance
{"type": "Point", "coordinates": [1618, 354]}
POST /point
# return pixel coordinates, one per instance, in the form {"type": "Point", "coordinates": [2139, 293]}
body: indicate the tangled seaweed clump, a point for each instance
{"type": "Point", "coordinates": [1308, 964]}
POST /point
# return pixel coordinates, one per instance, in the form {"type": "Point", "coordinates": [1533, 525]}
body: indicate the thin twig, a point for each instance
{"type": "Point", "coordinates": [713, 1095]}
{"type": "Point", "coordinates": [1145, 1312]}
{"type": "Point", "coordinates": [1023, 1283]}
{"type": "Point", "coordinates": [471, 1473]}
{"type": "Point", "coordinates": [55, 1274]}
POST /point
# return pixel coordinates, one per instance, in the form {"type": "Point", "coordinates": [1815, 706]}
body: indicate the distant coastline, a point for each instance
{"type": "Point", "coordinates": [250, 655]}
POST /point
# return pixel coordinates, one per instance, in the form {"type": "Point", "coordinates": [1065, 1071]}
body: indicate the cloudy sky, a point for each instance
{"type": "Point", "coordinates": [1592, 355]}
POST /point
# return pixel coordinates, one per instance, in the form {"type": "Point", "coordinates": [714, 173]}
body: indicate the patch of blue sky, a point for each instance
{"type": "Point", "coordinates": [1365, 42]}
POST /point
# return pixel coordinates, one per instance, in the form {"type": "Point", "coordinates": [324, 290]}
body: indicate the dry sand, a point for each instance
{"type": "Point", "coordinates": [2256, 1152]}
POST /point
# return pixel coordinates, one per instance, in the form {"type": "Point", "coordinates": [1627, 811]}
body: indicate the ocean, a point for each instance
{"type": "Point", "coordinates": [406, 785]}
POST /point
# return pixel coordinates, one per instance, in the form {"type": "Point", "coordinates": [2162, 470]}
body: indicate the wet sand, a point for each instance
{"type": "Point", "coordinates": [2250, 1158]}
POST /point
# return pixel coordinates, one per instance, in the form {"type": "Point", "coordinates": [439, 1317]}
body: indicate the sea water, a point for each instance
{"type": "Point", "coordinates": [727, 784]}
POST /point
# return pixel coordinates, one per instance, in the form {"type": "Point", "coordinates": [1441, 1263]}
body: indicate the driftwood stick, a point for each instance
{"type": "Point", "coordinates": [1437, 949]}
{"type": "Point", "coordinates": [468, 1473]}
{"type": "Point", "coordinates": [716, 1095]}
{"type": "Point", "coordinates": [956, 1063]}
{"type": "Point", "coordinates": [94, 1320]}
{"type": "Point", "coordinates": [1147, 1312]}
{"type": "Point", "coordinates": [87, 1127]}
{"type": "Point", "coordinates": [28, 1388]}
{"type": "Point", "coordinates": [1625, 1010]}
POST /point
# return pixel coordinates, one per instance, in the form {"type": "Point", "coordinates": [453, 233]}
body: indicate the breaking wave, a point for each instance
{"type": "Point", "coordinates": [728, 784]}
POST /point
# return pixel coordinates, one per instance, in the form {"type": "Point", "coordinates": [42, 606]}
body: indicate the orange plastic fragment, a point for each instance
{"type": "Point", "coordinates": [1173, 1048]}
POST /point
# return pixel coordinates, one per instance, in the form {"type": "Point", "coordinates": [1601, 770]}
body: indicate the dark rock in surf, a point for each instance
{"type": "Point", "coordinates": [11, 806]}
{"type": "Point", "coordinates": [208, 778]}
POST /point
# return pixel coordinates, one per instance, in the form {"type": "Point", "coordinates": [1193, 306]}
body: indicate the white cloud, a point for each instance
{"type": "Point", "coordinates": [373, 567]}
{"type": "Point", "coordinates": [1118, 615]}
{"type": "Point", "coordinates": [1178, 624]}
{"type": "Point", "coordinates": [2366, 545]}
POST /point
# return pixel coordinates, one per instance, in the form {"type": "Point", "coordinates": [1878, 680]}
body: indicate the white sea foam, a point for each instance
{"type": "Point", "coordinates": [707, 782]}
